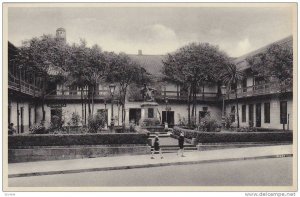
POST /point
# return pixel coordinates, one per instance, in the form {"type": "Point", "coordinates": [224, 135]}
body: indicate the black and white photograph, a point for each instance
{"type": "Point", "coordinates": [150, 97]}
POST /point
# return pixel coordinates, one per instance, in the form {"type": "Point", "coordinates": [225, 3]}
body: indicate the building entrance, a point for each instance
{"type": "Point", "coordinates": [251, 123]}
{"type": "Point", "coordinates": [168, 117]}
{"type": "Point", "coordinates": [135, 115]}
{"type": "Point", "coordinates": [56, 113]}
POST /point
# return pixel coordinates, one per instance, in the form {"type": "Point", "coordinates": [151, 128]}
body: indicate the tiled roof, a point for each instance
{"type": "Point", "coordinates": [61, 29]}
{"type": "Point", "coordinates": [241, 61]}
{"type": "Point", "coordinates": [55, 70]}
{"type": "Point", "coordinates": [152, 63]}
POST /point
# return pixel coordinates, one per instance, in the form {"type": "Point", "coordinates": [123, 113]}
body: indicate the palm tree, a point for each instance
{"type": "Point", "coordinates": [230, 76]}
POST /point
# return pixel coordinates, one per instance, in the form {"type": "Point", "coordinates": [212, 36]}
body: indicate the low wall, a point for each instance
{"type": "Point", "coordinates": [23, 148]}
{"type": "Point", "coordinates": [218, 146]}
{"type": "Point", "coordinates": [42, 153]}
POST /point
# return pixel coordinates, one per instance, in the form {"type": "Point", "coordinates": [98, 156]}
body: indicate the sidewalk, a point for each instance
{"type": "Point", "coordinates": [144, 161]}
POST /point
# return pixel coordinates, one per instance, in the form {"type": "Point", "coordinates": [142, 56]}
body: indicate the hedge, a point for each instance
{"type": "Point", "coordinates": [218, 137]}
{"type": "Point", "coordinates": [76, 139]}
{"type": "Point", "coordinates": [270, 130]}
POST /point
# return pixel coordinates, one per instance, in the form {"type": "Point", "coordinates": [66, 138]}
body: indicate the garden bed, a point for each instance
{"type": "Point", "coordinates": [219, 137]}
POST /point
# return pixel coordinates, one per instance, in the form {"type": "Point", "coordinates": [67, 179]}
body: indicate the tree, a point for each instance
{"type": "Point", "coordinates": [88, 68]}
{"type": "Point", "coordinates": [77, 71]}
{"type": "Point", "coordinates": [38, 55]}
{"type": "Point", "coordinates": [230, 76]}
{"type": "Point", "coordinates": [124, 72]}
{"type": "Point", "coordinates": [192, 66]}
{"type": "Point", "coordinates": [97, 70]}
{"type": "Point", "coordinates": [276, 64]}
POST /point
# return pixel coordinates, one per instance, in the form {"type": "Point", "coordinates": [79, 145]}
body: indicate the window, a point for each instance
{"type": "Point", "coordinates": [233, 87]}
{"type": "Point", "coordinates": [150, 113]}
{"type": "Point", "coordinates": [243, 113]}
{"type": "Point", "coordinates": [244, 85]}
{"type": "Point", "coordinates": [267, 112]}
{"type": "Point", "coordinates": [283, 112]}
{"type": "Point", "coordinates": [259, 80]}
{"type": "Point", "coordinates": [259, 83]}
{"type": "Point", "coordinates": [168, 116]}
{"type": "Point", "coordinates": [73, 90]}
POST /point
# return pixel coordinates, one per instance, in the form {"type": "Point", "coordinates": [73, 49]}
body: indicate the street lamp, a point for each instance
{"type": "Point", "coordinates": [223, 91]}
{"type": "Point", "coordinates": [166, 123]}
{"type": "Point", "coordinates": [112, 91]}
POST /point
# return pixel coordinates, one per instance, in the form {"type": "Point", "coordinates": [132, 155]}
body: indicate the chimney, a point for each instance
{"type": "Point", "coordinates": [140, 52]}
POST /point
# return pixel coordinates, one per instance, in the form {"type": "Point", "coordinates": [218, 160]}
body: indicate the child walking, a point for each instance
{"type": "Point", "coordinates": [157, 149]}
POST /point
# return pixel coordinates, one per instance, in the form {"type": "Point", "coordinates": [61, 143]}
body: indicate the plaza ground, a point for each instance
{"type": "Point", "coordinates": [270, 165]}
{"type": "Point", "coordinates": [262, 172]}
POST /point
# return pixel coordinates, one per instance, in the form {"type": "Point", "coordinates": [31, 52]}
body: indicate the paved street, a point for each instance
{"type": "Point", "coordinates": [261, 172]}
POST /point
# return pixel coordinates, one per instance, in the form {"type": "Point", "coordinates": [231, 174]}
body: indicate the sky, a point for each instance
{"type": "Point", "coordinates": [155, 30]}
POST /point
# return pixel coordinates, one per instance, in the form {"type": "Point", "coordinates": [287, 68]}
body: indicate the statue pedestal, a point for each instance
{"type": "Point", "coordinates": [149, 112]}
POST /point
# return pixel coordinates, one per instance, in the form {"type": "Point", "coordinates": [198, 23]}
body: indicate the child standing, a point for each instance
{"type": "Point", "coordinates": [180, 144]}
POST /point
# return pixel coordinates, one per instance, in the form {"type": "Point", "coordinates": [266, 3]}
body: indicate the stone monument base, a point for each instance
{"type": "Point", "coordinates": [149, 114]}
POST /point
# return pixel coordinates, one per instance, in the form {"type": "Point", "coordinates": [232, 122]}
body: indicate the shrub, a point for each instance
{"type": "Point", "coordinates": [150, 122]}
{"type": "Point", "coordinates": [96, 122]}
{"type": "Point", "coordinates": [132, 126]}
{"type": "Point", "coordinates": [83, 129]}
{"type": "Point", "coordinates": [75, 119]}
{"type": "Point", "coordinates": [187, 132]}
{"type": "Point", "coordinates": [38, 128]}
{"type": "Point", "coordinates": [207, 124]}
{"type": "Point", "coordinates": [56, 123]}
{"type": "Point", "coordinates": [193, 123]}
{"type": "Point", "coordinates": [182, 121]}
{"type": "Point", "coordinates": [228, 121]}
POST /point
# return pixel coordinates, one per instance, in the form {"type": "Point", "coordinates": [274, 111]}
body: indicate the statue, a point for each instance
{"type": "Point", "coordinates": [147, 93]}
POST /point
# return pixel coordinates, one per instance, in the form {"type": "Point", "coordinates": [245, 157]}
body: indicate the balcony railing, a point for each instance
{"type": "Point", "coordinates": [102, 94]}
{"type": "Point", "coordinates": [175, 95]}
{"type": "Point", "coordinates": [76, 94]}
{"type": "Point", "coordinates": [23, 86]}
{"type": "Point", "coordinates": [256, 90]}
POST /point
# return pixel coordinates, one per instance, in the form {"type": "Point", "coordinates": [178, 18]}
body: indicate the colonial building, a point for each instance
{"type": "Point", "coordinates": [24, 94]}
{"type": "Point", "coordinates": [260, 104]}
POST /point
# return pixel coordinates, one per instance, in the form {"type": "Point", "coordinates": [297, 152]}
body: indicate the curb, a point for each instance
{"type": "Point", "coordinates": [144, 166]}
